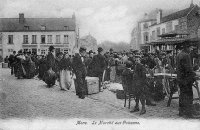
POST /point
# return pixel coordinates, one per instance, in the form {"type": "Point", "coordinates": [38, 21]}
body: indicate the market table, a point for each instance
{"type": "Point", "coordinates": [171, 78]}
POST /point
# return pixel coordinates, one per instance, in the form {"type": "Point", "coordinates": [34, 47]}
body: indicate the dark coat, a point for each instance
{"type": "Point", "coordinates": [139, 78]}
{"type": "Point", "coordinates": [127, 79]}
{"type": "Point", "coordinates": [98, 65]}
{"type": "Point", "coordinates": [185, 73]}
{"type": "Point", "coordinates": [78, 65]}
{"type": "Point", "coordinates": [65, 64]}
{"type": "Point", "coordinates": [51, 61]}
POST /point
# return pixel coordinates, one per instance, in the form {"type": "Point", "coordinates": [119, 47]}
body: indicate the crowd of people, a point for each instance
{"type": "Point", "coordinates": [130, 67]}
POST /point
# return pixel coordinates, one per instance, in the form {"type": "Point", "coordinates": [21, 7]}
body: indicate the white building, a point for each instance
{"type": "Point", "coordinates": [37, 34]}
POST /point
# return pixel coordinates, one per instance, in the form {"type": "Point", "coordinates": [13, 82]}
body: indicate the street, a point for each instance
{"type": "Point", "coordinates": [29, 99]}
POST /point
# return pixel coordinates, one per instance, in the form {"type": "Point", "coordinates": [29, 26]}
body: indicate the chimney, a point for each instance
{"type": "Point", "coordinates": [73, 16]}
{"type": "Point", "coordinates": [21, 18]}
{"type": "Point", "coordinates": [158, 16]}
{"type": "Point", "coordinates": [145, 16]}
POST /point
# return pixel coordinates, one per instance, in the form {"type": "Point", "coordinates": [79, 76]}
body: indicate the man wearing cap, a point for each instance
{"type": "Point", "coordinates": [98, 65]}
{"type": "Point", "coordinates": [88, 63]}
{"type": "Point", "coordinates": [50, 58]}
{"type": "Point", "coordinates": [186, 78]}
{"type": "Point", "coordinates": [80, 71]}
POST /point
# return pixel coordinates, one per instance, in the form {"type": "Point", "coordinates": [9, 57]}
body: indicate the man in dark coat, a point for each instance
{"type": "Point", "coordinates": [80, 71]}
{"type": "Point", "coordinates": [99, 65]}
{"type": "Point", "coordinates": [185, 78]}
{"type": "Point", "coordinates": [12, 61]}
{"type": "Point", "coordinates": [51, 59]}
{"type": "Point", "coordinates": [50, 76]}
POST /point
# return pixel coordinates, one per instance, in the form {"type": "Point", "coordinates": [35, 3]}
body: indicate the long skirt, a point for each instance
{"type": "Point", "coordinates": [112, 74]}
{"type": "Point", "coordinates": [21, 73]}
{"type": "Point", "coordinates": [65, 79]}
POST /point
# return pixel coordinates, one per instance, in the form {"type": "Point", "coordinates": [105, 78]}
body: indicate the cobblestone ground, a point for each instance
{"type": "Point", "coordinates": [30, 99]}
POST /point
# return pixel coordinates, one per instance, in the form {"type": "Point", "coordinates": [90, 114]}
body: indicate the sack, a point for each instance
{"type": "Point", "coordinates": [49, 77]}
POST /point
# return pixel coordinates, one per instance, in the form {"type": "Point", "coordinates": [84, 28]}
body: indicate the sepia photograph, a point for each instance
{"type": "Point", "coordinates": [99, 64]}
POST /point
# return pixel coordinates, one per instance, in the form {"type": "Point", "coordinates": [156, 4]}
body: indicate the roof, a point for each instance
{"type": "Point", "coordinates": [169, 41]}
{"type": "Point", "coordinates": [147, 20]}
{"type": "Point", "coordinates": [51, 24]}
{"type": "Point", "coordinates": [177, 15]}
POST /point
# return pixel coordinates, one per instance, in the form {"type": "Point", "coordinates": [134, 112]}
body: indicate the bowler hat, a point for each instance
{"type": "Point", "coordinates": [100, 49]}
{"type": "Point", "coordinates": [51, 48]}
{"type": "Point", "coordinates": [82, 48]}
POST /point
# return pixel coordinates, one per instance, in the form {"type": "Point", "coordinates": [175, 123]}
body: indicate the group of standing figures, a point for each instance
{"type": "Point", "coordinates": [105, 66]}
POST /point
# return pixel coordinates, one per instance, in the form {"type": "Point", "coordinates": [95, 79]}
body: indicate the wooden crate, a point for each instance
{"type": "Point", "coordinates": [4, 65]}
{"type": "Point", "coordinates": [92, 85]}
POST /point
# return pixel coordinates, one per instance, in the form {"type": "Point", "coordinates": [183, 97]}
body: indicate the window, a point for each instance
{"type": "Point", "coordinates": [10, 39]}
{"type": "Point", "coordinates": [42, 38]}
{"type": "Point", "coordinates": [163, 31]}
{"type": "Point", "coordinates": [66, 51]}
{"type": "Point", "coordinates": [34, 39]}
{"type": "Point", "coordinates": [43, 27]}
{"type": "Point", "coordinates": [10, 50]}
{"type": "Point", "coordinates": [49, 38]}
{"type": "Point", "coordinates": [26, 27]}
{"type": "Point", "coordinates": [57, 38]}
{"type": "Point", "coordinates": [145, 26]}
{"type": "Point", "coordinates": [146, 36]}
{"type": "Point", "coordinates": [158, 31]}
{"type": "Point", "coordinates": [26, 50]}
{"type": "Point", "coordinates": [169, 27]}
{"type": "Point", "coordinates": [25, 39]}
{"type": "Point", "coordinates": [183, 25]}
{"type": "Point", "coordinates": [153, 35]}
{"type": "Point", "coordinates": [43, 52]}
{"type": "Point", "coordinates": [176, 27]}
{"type": "Point", "coordinates": [66, 39]}
{"type": "Point", "coordinates": [66, 28]}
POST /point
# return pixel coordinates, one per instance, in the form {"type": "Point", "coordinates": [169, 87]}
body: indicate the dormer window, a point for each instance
{"type": "Point", "coordinates": [43, 27]}
{"type": "Point", "coordinates": [26, 27]}
{"type": "Point", "coordinates": [66, 27]}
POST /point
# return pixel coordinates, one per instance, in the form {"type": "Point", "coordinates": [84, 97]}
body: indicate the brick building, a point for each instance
{"type": "Point", "coordinates": [37, 34]}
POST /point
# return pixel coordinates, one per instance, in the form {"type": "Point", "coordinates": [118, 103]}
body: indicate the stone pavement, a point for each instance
{"type": "Point", "coordinates": [29, 99]}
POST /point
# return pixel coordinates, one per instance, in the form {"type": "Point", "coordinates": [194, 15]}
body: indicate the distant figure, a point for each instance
{"type": "Point", "coordinates": [99, 65]}
{"type": "Point", "coordinates": [12, 61]}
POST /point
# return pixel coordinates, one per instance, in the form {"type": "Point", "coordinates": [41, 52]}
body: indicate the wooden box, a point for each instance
{"type": "Point", "coordinates": [4, 65]}
{"type": "Point", "coordinates": [92, 85]}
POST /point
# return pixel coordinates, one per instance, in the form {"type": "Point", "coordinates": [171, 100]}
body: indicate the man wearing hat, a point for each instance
{"type": "Point", "coordinates": [80, 71]}
{"type": "Point", "coordinates": [89, 63]}
{"type": "Point", "coordinates": [186, 78]}
{"type": "Point", "coordinates": [50, 58]}
{"type": "Point", "coordinates": [98, 65]}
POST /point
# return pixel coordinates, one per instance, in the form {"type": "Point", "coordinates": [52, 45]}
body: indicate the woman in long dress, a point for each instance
{"type": "Point", "coordinates": [65, 73]}
{"type": "Point", "coordinates": [21, 73]}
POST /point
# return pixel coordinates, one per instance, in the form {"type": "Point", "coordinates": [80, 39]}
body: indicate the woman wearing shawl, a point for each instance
{"type": "Point", "coordinates": [65, 72]}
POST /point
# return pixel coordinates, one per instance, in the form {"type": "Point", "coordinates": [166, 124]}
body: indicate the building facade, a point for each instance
{"type": "Point", "coordinates": [37, 34]}
{"type": "Point", "coordinates": [186, 21]}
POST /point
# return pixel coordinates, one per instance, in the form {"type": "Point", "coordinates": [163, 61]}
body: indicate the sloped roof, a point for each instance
{"type": "Point", "coordinates": [177, 14]}
{"type": "Point", "coordinates": [52, 24]}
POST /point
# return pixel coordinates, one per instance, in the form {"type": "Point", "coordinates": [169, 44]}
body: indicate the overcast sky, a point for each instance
{"type": "Point", "coordinates": [104, 19]}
